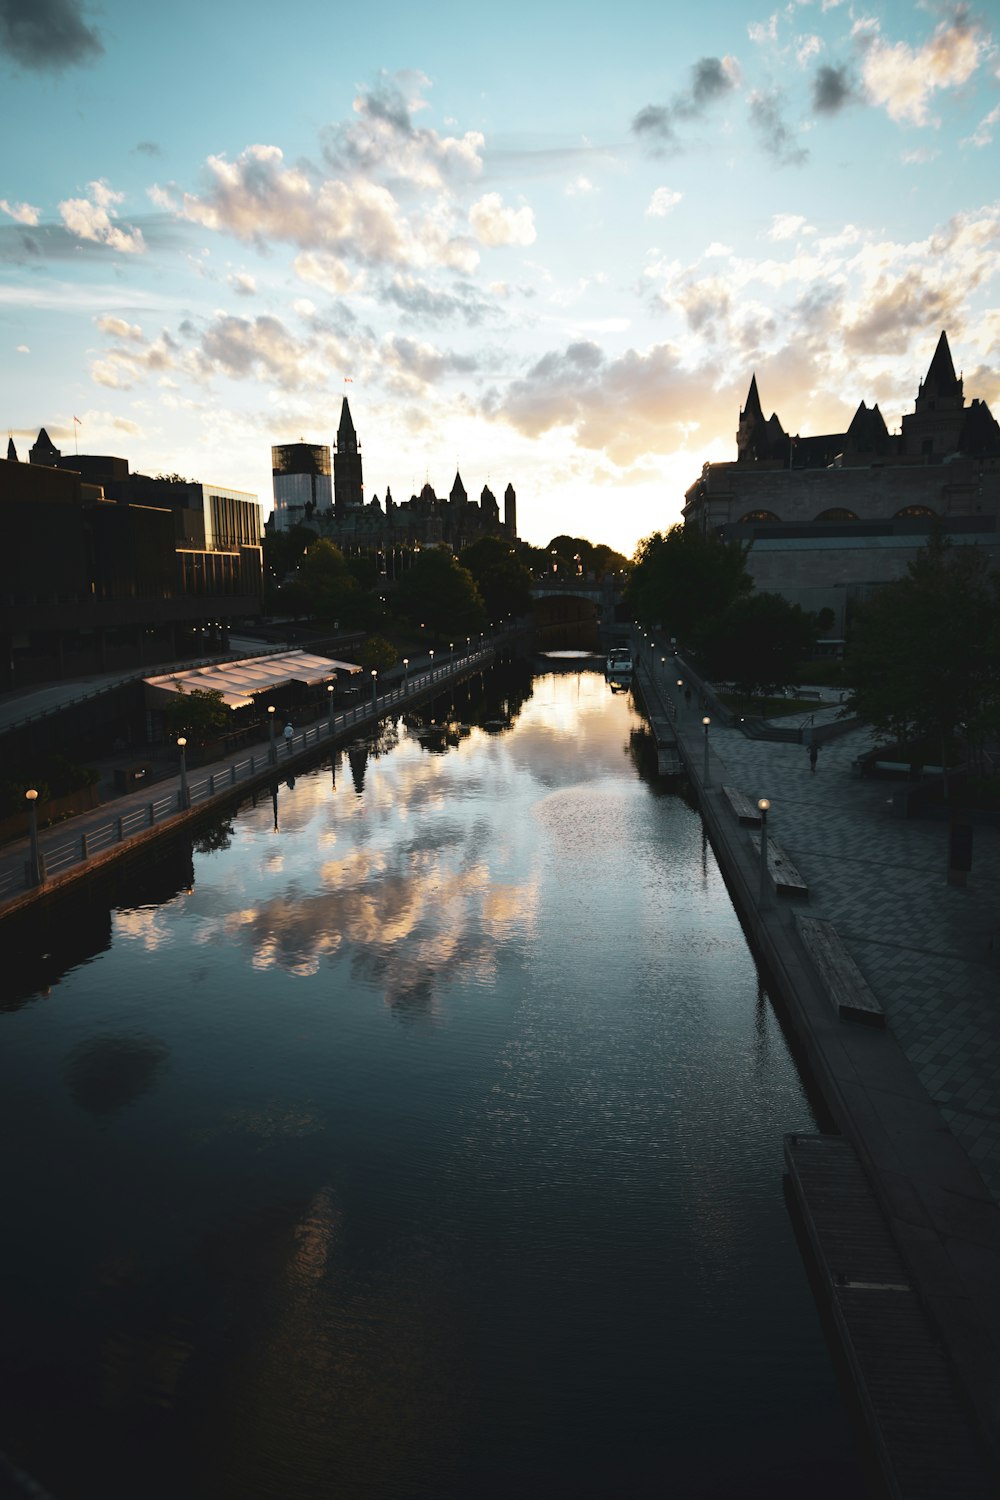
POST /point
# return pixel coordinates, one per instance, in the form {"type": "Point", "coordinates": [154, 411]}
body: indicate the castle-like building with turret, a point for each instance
{"type": "Point", "coordinates": [333, 504]}
{"type": "Point", "coordinates": [832, 517]}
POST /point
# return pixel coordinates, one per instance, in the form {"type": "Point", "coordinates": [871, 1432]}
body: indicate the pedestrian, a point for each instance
{"type": "Point", "coordinates": [813, 753]}
{"type": "Point", "coordinates": [289, 731]}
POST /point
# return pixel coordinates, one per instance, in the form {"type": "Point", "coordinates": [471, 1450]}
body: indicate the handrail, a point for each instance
{"type": "Point", "coordinates": [268, 757]}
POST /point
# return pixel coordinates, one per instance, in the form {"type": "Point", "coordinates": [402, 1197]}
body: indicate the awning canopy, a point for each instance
{"type": "Point", "coordinates": [240, 681]}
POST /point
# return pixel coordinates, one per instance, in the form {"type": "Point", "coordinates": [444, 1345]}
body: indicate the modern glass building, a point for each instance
{"type": "Point", "coordinates": [301, 474]}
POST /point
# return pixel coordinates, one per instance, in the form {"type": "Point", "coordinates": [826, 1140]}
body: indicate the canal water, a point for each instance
{"type": "Point", "coordinates": [418, 1133]}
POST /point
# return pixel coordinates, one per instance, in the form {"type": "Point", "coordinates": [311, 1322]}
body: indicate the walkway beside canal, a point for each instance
{"type": "Point", "coordinates": [74, 848]}
{"type": "Point", "coordinates": [920, 1099]}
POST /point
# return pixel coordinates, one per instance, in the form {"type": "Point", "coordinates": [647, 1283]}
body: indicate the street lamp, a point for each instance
{"type": "Point", "coordinates": [406, 671]}
{"type": "Point", "coordinates": [272, 753]}
{"type": "Point", "coordinates": [31, 797]}
{"type": "Point", "coordinates": [329, 702]}
{"type": "Point", "coordinates": [182, 746]}
{"type": "Point", "coordinates": [431, 655]}
{"type": "Point", "coordinates": [762, 806]}
{"type": "Point", "coordinates": [706, 721]}
{"type": "Point", "coordinates": [374, 684]}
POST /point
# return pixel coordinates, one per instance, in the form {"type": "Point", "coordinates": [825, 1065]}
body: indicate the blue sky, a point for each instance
{"type": "Point", "coordinates": [547, 243]}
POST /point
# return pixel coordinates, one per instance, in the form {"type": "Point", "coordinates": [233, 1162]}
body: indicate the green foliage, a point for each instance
{"type": "Point", "coordinates": [284, 551]}
{"type": "Point", "coordinates": [923, 656]}
{"type": "Point", "coordinates": [575, 554]}
{"type": "Point", "coordinates": [377, 652]}
{"type": "Point", "coordinates": [685, 579]}
{"type": "Point", "coordinates": [501, 576]}
{"type": "Point", "coordinates": [53, 775]}
{"type": "Point", "coordinates": [331, 590]}
{"type": "Point", "coordinates": [201, 714]}
{"type": "Point", "coordinates": [757, 642]}
{"type": "Point", "coordinates": [441, 594]}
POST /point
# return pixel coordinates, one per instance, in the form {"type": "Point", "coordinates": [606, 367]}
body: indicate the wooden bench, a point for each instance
{"type": "Point", "coordinates": [843, 981]}
{"type": "Point", "coordinates": [745, 811]}
{"type": "Point", "coordinates": [783, 875]}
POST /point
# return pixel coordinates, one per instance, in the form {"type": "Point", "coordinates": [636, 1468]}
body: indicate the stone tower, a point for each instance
{"type": "Point", "coordinates": [348, 480]}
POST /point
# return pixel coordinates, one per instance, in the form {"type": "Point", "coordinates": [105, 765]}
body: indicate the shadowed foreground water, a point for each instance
{"type": "Point", "coordinates": [426, 1144]}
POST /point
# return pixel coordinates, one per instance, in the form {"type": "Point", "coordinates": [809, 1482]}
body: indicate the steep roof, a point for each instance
{"type": "Point", "coordinates": [753, 406]}
{"type": "Point", "coordinates": [11, 451]}
{"type": "Point", "coordinates": [980, 434]}
{"type": "Point", "coordinates": [941, 379]}
{"type": "Point", "coordinates": [458, 488]}
{"type": "Point", "coordinates": [867, 432]}
{"type": "Point", "coordinates": [346, 428]}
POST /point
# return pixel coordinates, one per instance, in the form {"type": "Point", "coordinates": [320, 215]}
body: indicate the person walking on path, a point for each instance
{"type": "Point", "coordinates": [289, 731]}
{"type": "Point", "coordinates": [813, 753]}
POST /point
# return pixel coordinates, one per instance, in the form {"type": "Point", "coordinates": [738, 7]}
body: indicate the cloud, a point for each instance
{"type": "Point", "coordinates": [261, 348]}
{"type": "Point", "coordinates": [712, 78]}
{"type": "Point", "coordinates": [148, 148]}
{"type": "Point", "coordinates": [23, 349]}
{"type": "Point", "coordinates": [662, 201]}
{"type": "Point", "coordinates": [773, 134]}
{"type": "Point", "coordinates": [903, 79]}
{"type": "Point", "coordinates": [22, 212]}
{"type": "Point", "coordinates": [493, 224]}
{"type": "Point", "coordinates": [93, 219]}
{"type": "Point", "coordinates": [832, 90]}
{"type": "Point", "coordinates": [327, 271]}
{"type": "Point", "coordinates": [981, 136]}
{"type": "Point", "coordinates": [424, 303]}
{"type": "Point", "coordinates": [119, 329]}
{"type": "Point", "coordinates": [643, 402]}
{"type": "Point", "coordinates": [383, 140]}
{"type": "Point", "coordinates": [580, 187]}
{"type": "Point", "coordinates": [787, 226]}
{"type": "Point", "coordinates": [411, 365]}
{"type": "Point", "coordinates": [243, 284]}
{"type": "Point", "coordinates": [47, 35]}
{"type": "Point", "coordinates": [259, 198]}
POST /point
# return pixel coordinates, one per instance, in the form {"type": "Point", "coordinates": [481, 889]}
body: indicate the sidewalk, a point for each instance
{"type": "Point", "coordinates": [77, 846]}
{"type": "Point", "coordinates": [919, 1100]}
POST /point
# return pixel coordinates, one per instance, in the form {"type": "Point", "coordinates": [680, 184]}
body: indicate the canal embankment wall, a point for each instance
{"type": "Point", "coordinates": [941, 1215]}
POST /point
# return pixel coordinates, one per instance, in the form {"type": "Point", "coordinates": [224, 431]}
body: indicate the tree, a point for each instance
{"type": "Point", "coordinates": [686, 578]}
{"type": "Point", "coordinates": [439, 593]}
{"type": "Point", "coordinates": [502, 578]}
{"type": "Point", "coordinates": [330, 587]}
{"type": "Point", "coordinates": [922, 658]}
{"type": "Point", "coordinates": [757, 642]}
{"type": "Point", "coordinates": [200, 714]}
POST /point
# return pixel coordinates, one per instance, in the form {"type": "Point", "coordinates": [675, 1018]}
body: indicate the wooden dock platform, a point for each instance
{"type": "Point", "coordinates": [920, 1424]}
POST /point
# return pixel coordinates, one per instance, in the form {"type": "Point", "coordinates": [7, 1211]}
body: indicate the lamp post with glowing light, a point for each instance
{"type": "Point", "coordinates": [329, 705]}
{"type": "Point", "coordinates": [35, 863]}
{"type": "Point", "coordinates": [272, 752]}
{"type": "Point", "coordinates": [182, 747]}
{"type": "Point", "coordinates": [706, 721]}
{"type": "Point", "coordinates": [374, 686]}
{"type": "Point", "coordinates": [431, 655]}
{"type": "Point", "coordinates": [762, 807]}
{"type": "Point", "coordinates": [406, 672]}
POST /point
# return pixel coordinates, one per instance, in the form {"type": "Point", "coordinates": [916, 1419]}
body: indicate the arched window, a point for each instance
{"type": "Point", "coordinates": [910, 512]}
{"type": "Point", "coordinates": [757, 515]}
{"type": "Point", "coordinates": [837, 513]}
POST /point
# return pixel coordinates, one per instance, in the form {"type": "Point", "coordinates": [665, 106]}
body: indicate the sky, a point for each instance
{"type": "Point", "coordinates": [543, 243]}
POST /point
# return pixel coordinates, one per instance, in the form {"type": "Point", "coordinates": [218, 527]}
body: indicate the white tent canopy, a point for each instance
{"type": "Point", "coordinates": [238, 681]}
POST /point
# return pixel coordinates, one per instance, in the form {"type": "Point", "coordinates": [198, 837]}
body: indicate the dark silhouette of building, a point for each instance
{"type": "Point", "coordinates": [102, 569]}
{"type": "Point", "coordinates": [833, 516]}
{"type": "Point", "coordinates": [302, 479]}
{"type": "Point", "coordinates": [355, 525]}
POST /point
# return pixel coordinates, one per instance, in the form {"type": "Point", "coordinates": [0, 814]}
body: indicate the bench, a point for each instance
{"type": "Point", "coordinates": [744, 810]}
{"type": "Point", "coordinates": [843, 981]}
{"type": "Point", "coordinates": [783, 875]}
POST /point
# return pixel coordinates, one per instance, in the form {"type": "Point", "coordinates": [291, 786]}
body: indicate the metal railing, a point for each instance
{"type": "Point", "coordinates": [58, 856]}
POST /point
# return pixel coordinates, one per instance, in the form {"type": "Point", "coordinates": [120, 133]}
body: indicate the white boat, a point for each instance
{"type": "Point", "coordinates": [619, 662]}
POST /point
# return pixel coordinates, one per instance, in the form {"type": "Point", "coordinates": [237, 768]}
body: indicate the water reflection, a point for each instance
{"type": "Point", "coordinates": [106, 1074]}
{"type": "Point", "coordinates": [427, 1146]}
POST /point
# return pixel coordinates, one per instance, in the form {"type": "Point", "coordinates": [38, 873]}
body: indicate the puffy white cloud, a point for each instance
{"type": "Point", "coordinates": [328, 271]}
{"type": "Point", "coordinates": [93, 219]}
{"type": "Point", "coordinates": [23, 349]}
{"type": "Point", "coordinates": [787, 226]}
{"type": "Point", "coordinates": [243, 284]}
{"type": "Point", "coordinates": [662, 201]}
{"type": "Point", "coordinates": [903, 79]}
{"type": "Point", "coordinates": [260, 198]}
{"type": "Point", "coordinates": [118, 328]}
{"type": "Point", "coordinates": [580, 187]}
{"type": "Point", "coordinates": [495, 224]}
{"type": "Point", "coordinates": [383, 140]}
{"type": "Point", "coordinates": [983, 133]}
{"type": "Point", "coordinates": [24, 213]}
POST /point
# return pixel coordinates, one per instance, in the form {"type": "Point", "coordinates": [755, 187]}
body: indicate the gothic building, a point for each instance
{"type": "Point", "coordinates": [830, 517]}
{"type": "Point", "coordinates": [351, 522]}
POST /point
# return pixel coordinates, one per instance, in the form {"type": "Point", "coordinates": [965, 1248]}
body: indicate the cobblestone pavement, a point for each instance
{"type": "Point", "coordinates": [929, 950]}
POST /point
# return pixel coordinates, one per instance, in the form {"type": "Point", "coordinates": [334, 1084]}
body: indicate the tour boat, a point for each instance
{"type": "Point", "coordinates": [619, 662]}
